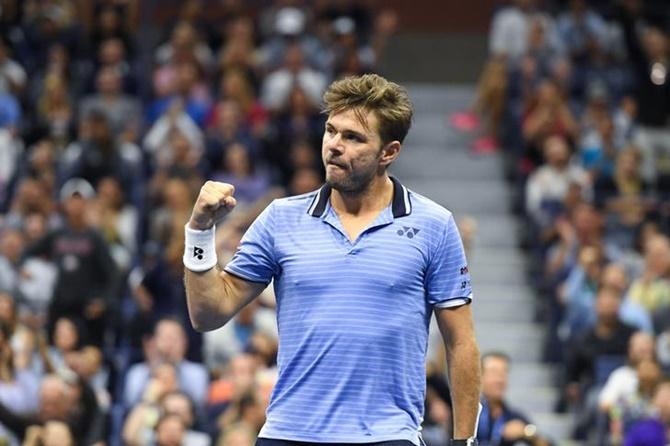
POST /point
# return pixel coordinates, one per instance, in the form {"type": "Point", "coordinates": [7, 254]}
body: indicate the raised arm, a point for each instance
{"type": "Point", "coordinates": [213, 296]}
{"type": "Point", "coordinates": [462, 350]}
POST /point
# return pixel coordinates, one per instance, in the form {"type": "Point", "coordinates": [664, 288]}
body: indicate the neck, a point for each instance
{"type": "Point", "coordinates": [375, 197]}
{"type": "Point", "coordinates": [495, 407]}
{"type": "Point", "coordinates": [77, 224]}
{"type": "Point", "coordinates": [605, 328]}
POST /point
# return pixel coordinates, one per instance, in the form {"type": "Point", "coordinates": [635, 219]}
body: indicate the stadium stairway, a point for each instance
{"type": "Point", "coordinates": [436, 162]}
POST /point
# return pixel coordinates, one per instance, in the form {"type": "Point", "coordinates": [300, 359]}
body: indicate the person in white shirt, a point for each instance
{"type": "Point", "coordinates": [550, 183]}
{"type": "Point", "coordinates": [623, 382]}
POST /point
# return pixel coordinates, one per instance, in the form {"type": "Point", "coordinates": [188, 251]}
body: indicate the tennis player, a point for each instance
{"type": "Point", "coordinates": [359, 267]}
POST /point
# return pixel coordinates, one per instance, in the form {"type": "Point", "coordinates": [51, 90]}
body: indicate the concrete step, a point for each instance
{"type": "Point", "coordinates": [499, 275]}
{"type": "Point", "coordinates": [556, 427]}
{"type": "Point", "coordinates": [485, 312]}
{"type": "Point", "coordinates": [532, 400]}
{"type": "Point", "coordinates": [428, 130]}
{"type": "Point", "coordinates": [437, 162]}
{"type": "Point", "coordinates": [508, 295]}
{"type": "Point", "coordinates": [521, 341]}
{"type": "Point", "coordinates": [531, 374]}
{"type": "Point", "coordinates": [444, 161]}
{"type": "Point", "coordinates": [469, 196]}
{"type": "Point", "coordinates": [436, 98]}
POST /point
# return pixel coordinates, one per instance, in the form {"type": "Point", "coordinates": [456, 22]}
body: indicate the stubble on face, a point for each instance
{"type": "Point", "coordinates": [352, 170]}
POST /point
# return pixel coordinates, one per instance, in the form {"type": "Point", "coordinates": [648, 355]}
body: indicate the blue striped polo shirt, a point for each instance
{"type": "Point", "coordinates": [353, 316]}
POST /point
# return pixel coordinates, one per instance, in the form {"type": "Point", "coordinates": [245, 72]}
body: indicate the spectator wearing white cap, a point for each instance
{"type": "Point", "coordinates": [86, 283]}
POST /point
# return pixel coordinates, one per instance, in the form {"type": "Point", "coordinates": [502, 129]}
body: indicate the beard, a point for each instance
{"type": "Point", "coordinates": [351, 183]}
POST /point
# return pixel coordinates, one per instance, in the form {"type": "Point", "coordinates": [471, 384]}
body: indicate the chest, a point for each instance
{"type": "Point", "coordinates": [354, 226]}
{"type": "Point", "coordinates": [386, 261]}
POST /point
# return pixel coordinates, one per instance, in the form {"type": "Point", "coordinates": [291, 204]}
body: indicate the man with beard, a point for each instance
{"type": "Point", "coordinates": [359, 266]}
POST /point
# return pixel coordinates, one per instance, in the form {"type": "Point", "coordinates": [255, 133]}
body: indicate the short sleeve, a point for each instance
{"type": "Point", "coordinates": [254, 259]}
{"type": "Point", "coordinates": [448, 277]}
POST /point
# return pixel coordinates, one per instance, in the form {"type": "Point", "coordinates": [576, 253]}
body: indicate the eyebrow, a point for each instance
{"type": "Point", "coordinates": [346, 130]}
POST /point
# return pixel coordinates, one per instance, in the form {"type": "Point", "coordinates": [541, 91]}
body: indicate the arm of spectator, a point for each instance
{"type": "Point", "coordinates": [40, 248]}
{"type": "Point", "coordinates": [108, 280]}
{"type": "Point", "coordinates": [537, 123]}
{"type": "Point", "coordinates": [609, 393]}
{"type": "Point", "coordinates": [570, 124]}
{"type": "Point", "coordinates": [43, 351]}
{"type": "Point", "coordinates": [18, 424]}
{"type": "Point", "coordinates": [567, 239]}
{"type": "Point", "coordinates": [136, 380]}
{"type": "Point", "coordinates": [159, 133]}
{"type": "Point", "coordinates": [21, 395]}
{"type": "Point", "coordinates": [144, 299]}
{"type": "Point", "coordinates": [627, 17]}
{"type": "Point", "coordinates": [141, 417]}
{"type": "Point", "coordinates": [33, 436]}
{"type": "Point", "coordinates": [463, 361]}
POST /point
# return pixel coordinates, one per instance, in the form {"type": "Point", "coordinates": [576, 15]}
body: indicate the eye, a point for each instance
{"type": "Point", "coordinates": [353, 137]}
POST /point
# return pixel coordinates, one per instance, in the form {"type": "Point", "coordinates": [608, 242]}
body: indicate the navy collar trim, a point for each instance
{"type": "Point", "coordinates": [401, 205]}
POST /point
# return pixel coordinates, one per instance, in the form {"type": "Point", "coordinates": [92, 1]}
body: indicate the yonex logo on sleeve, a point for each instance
{"type": "Point", "coordinates": [198, 252]}
{"type": "Point", "coordinates": [409, 232]}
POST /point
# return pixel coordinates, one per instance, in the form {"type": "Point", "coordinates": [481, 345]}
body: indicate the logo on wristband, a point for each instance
{"type": "Point", "coordinates": [198, 252]}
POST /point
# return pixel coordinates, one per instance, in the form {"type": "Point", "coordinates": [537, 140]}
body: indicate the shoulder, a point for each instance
{"type": "Point", "coordinates": [295, 204]}
{"type": "Point", "coordinates": [623, 373]}
{"type": "Point", "coordinates": [429, 211]}
{"type": "Point", "coordinates": [193, 369]}
{"type": "Point", "coordinates": [137, 371]}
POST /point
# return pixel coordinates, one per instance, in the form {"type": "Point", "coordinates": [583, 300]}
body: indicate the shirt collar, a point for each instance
{"type": "Point", "coordinates": [401, 205]}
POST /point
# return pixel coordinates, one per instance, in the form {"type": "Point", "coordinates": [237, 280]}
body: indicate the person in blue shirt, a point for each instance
{"type": "Point", "coordinates": [358, 268]}
{"type": "Point", "coordinates": [499, 423]}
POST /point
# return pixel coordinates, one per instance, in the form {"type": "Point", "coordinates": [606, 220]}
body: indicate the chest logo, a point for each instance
{"type": "Point", "coordinates": [408, 232]}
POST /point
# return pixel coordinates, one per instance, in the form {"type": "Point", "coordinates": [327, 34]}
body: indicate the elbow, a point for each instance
{"type": "Point", "coordinates": [203, 324]}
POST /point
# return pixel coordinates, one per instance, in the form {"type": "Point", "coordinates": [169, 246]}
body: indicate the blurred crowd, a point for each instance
{"type": "Point", "coordinates": [576, 95]}
{"type": "Point", "coordinates": [112, 114]}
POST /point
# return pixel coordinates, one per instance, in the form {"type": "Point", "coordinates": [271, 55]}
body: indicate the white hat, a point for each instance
{"type": "Point", "coordinates": [77, 186]}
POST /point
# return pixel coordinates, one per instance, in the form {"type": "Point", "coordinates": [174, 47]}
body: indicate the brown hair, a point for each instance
{"type": "Point", "coordinates": [370, 92]}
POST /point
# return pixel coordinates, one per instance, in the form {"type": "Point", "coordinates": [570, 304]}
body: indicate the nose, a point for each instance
{"type": "Point", "coordinates": [333, 144]}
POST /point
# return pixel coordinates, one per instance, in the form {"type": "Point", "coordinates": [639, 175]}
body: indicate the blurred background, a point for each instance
{"type": "Point", "coordinates": [543, 125]}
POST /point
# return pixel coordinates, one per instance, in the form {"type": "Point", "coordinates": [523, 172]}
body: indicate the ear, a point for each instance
{"type": "Point", "coordinates": [389, 153]}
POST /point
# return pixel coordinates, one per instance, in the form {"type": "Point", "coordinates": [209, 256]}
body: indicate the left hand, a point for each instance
{"type": "Point", "coordinates": [514, 430]}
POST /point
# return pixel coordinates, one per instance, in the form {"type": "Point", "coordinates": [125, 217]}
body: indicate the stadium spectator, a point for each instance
{"type": "Point", "coordinates": [170, 345]}
{"type": "Point", "coordinates": [87, 283]}
{"type": "Point", "coordinates": [653, 430]}
{"type": "Point", "coordinates": [499, 423]}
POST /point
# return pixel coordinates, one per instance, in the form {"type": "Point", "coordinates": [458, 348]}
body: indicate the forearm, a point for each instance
{"type": "Point", "coordinates": [205, 298]}
{"type": "Point", "coordinates": [464, 383]}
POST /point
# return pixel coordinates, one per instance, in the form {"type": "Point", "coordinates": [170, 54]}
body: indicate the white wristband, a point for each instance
{"type": "Point", "coordinates": [199, 249]}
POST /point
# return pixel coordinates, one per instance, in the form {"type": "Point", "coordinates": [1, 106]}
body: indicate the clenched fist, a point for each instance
{"type": "Point", "coordinates": [215, 200]}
